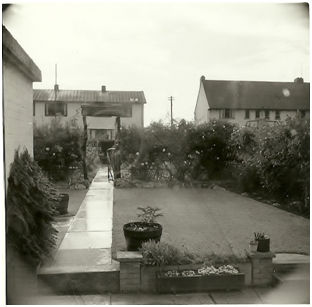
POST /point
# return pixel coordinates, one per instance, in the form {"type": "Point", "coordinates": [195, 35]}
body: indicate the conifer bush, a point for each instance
{"type": "Point", "coordinates": [30, 208]}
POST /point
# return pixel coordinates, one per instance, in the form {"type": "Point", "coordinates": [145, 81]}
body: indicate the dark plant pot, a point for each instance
{"type": "Point", "coordinates": [199, 283]}
{"type": "Point", "coordinates": [135, 238]}
{"type": "Point", "coordinates": [263, 245]}
{"type": "Point", "coordinates": [63, 204]}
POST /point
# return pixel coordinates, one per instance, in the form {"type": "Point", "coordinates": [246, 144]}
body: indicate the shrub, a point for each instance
{"type": "Point", "coordinates": [210, 144]}
{"type": "Point", "coordinates": [213, 259]}
{"type": "Point", "coordinates": [57, 148]}
{"type": "Point", "coordinates": [159, 253]}
{"type": "Point", "coordinates": [30, 207]}
{"type": "Point", "coordinates": [180, 152]}
{"type": "Point", "coordinates": [275, 160]}
{"type": "Point", "coordinates": [130, 144]}
{"type": "Point", "coordinates": [92, 158]}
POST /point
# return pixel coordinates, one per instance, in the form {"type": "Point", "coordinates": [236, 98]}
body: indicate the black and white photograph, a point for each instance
{"type": "Point", "coordinates": [155, 152]}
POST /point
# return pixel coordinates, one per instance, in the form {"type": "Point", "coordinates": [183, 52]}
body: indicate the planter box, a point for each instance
{"type": "Point", "coordinates": [149, 273]}
{"type": "Point", "coordinates": [199, 283]}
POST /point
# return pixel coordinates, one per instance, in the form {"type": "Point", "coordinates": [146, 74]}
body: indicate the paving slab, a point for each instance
{"type": "Point", "coordinates": [95, 299]}
{"type": "Point", "coordinates": [244, 296]}
{"type": "Point", "coordinates": [284, 294]}
{"type": "Point", "coordinates": [79, 260]}
{"type": "Point", "coordinates": [95, 213]}
{"type": "Point", "coordinates": [191, 299]}
{"type": "Point", "coordinates": [90, 224]}
{"type": "Point", "coordinates": [88, 239]}
{"type": "Point", "coordinates": [161, 299]}
{"type": "Point", "coordinates": [53, 300]}
{"type": "Point", "coordinates": [288, 258]}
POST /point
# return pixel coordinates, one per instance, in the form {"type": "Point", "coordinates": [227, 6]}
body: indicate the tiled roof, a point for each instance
{"type": "Point", "coordinates": [257, 95]}
{"type": "Point", "coordinates": [90, 96]}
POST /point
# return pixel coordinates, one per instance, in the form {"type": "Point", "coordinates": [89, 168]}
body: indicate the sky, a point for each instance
{"type": "Point", "coordinates": [161, 47]}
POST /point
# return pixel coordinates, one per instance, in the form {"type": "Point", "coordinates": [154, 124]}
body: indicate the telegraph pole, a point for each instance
{"type": "Point", "coordinates": [171, 117]}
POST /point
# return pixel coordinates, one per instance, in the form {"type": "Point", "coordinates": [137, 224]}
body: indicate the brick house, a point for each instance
{"type": "Point", "coordinates": [19, 73]}
{"type": "Point", "coordinates": [251, 102]}
{"type": "Point", "coordinates": [66, 105]}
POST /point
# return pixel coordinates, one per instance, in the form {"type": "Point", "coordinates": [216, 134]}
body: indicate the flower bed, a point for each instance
{"type": "Point", "coordinates": [206, 278]}
{"type": "Point", "coordinates": [149, 274]}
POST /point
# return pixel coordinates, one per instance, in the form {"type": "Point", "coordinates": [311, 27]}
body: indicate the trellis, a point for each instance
{"type": "Point", "coordinates": [101, 110]}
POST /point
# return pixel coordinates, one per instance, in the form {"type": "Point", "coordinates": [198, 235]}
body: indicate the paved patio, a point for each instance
{"type": "Point", "coordinates": [279, 295]}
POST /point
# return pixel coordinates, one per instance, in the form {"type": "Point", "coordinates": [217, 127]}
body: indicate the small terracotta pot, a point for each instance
{"type": "Point", "coordinates": [253, 246]}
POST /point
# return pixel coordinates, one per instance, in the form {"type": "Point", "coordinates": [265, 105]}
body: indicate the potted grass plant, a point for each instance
{"type": "Point", "coordinates": [144, 229]}
{"type": "Point", "coordinates": [263, 242]}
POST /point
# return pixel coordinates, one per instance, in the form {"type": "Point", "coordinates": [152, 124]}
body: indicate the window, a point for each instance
{"type": "Point", "coordinates": [101, 134]}
{"type": "Point", "coordinates": [267, 114]}
{"type": "Point", "coordinates": [247, 114]}
{"type": "Point", "coordinates": [226, 113]}
{"type": "Point", "coordinates": [56, 109]}
{"type": "Point", "coordinates": [277, 115]}
{"type": "Point", "coordinates": [257, 113]}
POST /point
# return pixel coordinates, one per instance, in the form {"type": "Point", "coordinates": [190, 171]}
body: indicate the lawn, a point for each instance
{"type": "Point", "coordinates": [211, 221]}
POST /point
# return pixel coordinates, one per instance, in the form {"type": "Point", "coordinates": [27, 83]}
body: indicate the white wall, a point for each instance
{"type": "Point", "coordinates": [18, 113]}
{"type": "Point", "coordinates": [137, 118]}
{"type": "Point", "coordinates": [74, 111]}
{"type": "Point", "coordinates": [239, 115]}
{"type": "Point", "coordinates": [201, 109]}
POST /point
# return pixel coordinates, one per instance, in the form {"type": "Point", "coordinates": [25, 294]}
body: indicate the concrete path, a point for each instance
{"type": "Point", "coordinates": [278, 295]}
{"type": "Point", "coordinates": [212, 221]}
{"type": "Point", "coordinates": [87, 244]}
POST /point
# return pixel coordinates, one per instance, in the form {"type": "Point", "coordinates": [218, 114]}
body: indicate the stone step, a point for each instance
{"type": "Point", "coordinates": [295, 282]}
{"type": "Point", "coordinates": [85, 271]}
{"type": "Point", "coordinates": [292, 273]}
{"type": "Point", "coordinates": [84, 282]}
{"type": "Point", "coordinates": [291, 262]}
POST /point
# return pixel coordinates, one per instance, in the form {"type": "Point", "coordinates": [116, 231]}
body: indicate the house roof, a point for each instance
{"type": "Point", "coordinates": [15, 54]}
{"type": "Point", "coordinates": [257, 95]}
{"type": "Point", "coordinates": [86, 96]}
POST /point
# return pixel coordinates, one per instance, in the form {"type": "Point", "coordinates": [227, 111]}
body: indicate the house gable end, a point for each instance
{"type": "Point", "coordinates": [202, 104]}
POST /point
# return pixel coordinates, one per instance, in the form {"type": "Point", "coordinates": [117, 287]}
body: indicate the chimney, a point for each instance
{"type": "Point", "coordinates": [103, 88]}
{"type": "Point", "coordinates": [56, 88]}
{"type": "Point", "coordinates": [202, 78]}
{"type": "Point", "coordinates": [299, 80]}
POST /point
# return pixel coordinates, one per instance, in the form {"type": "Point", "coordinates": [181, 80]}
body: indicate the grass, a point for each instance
{"type": "Point", "coordinates": [206, 221]}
